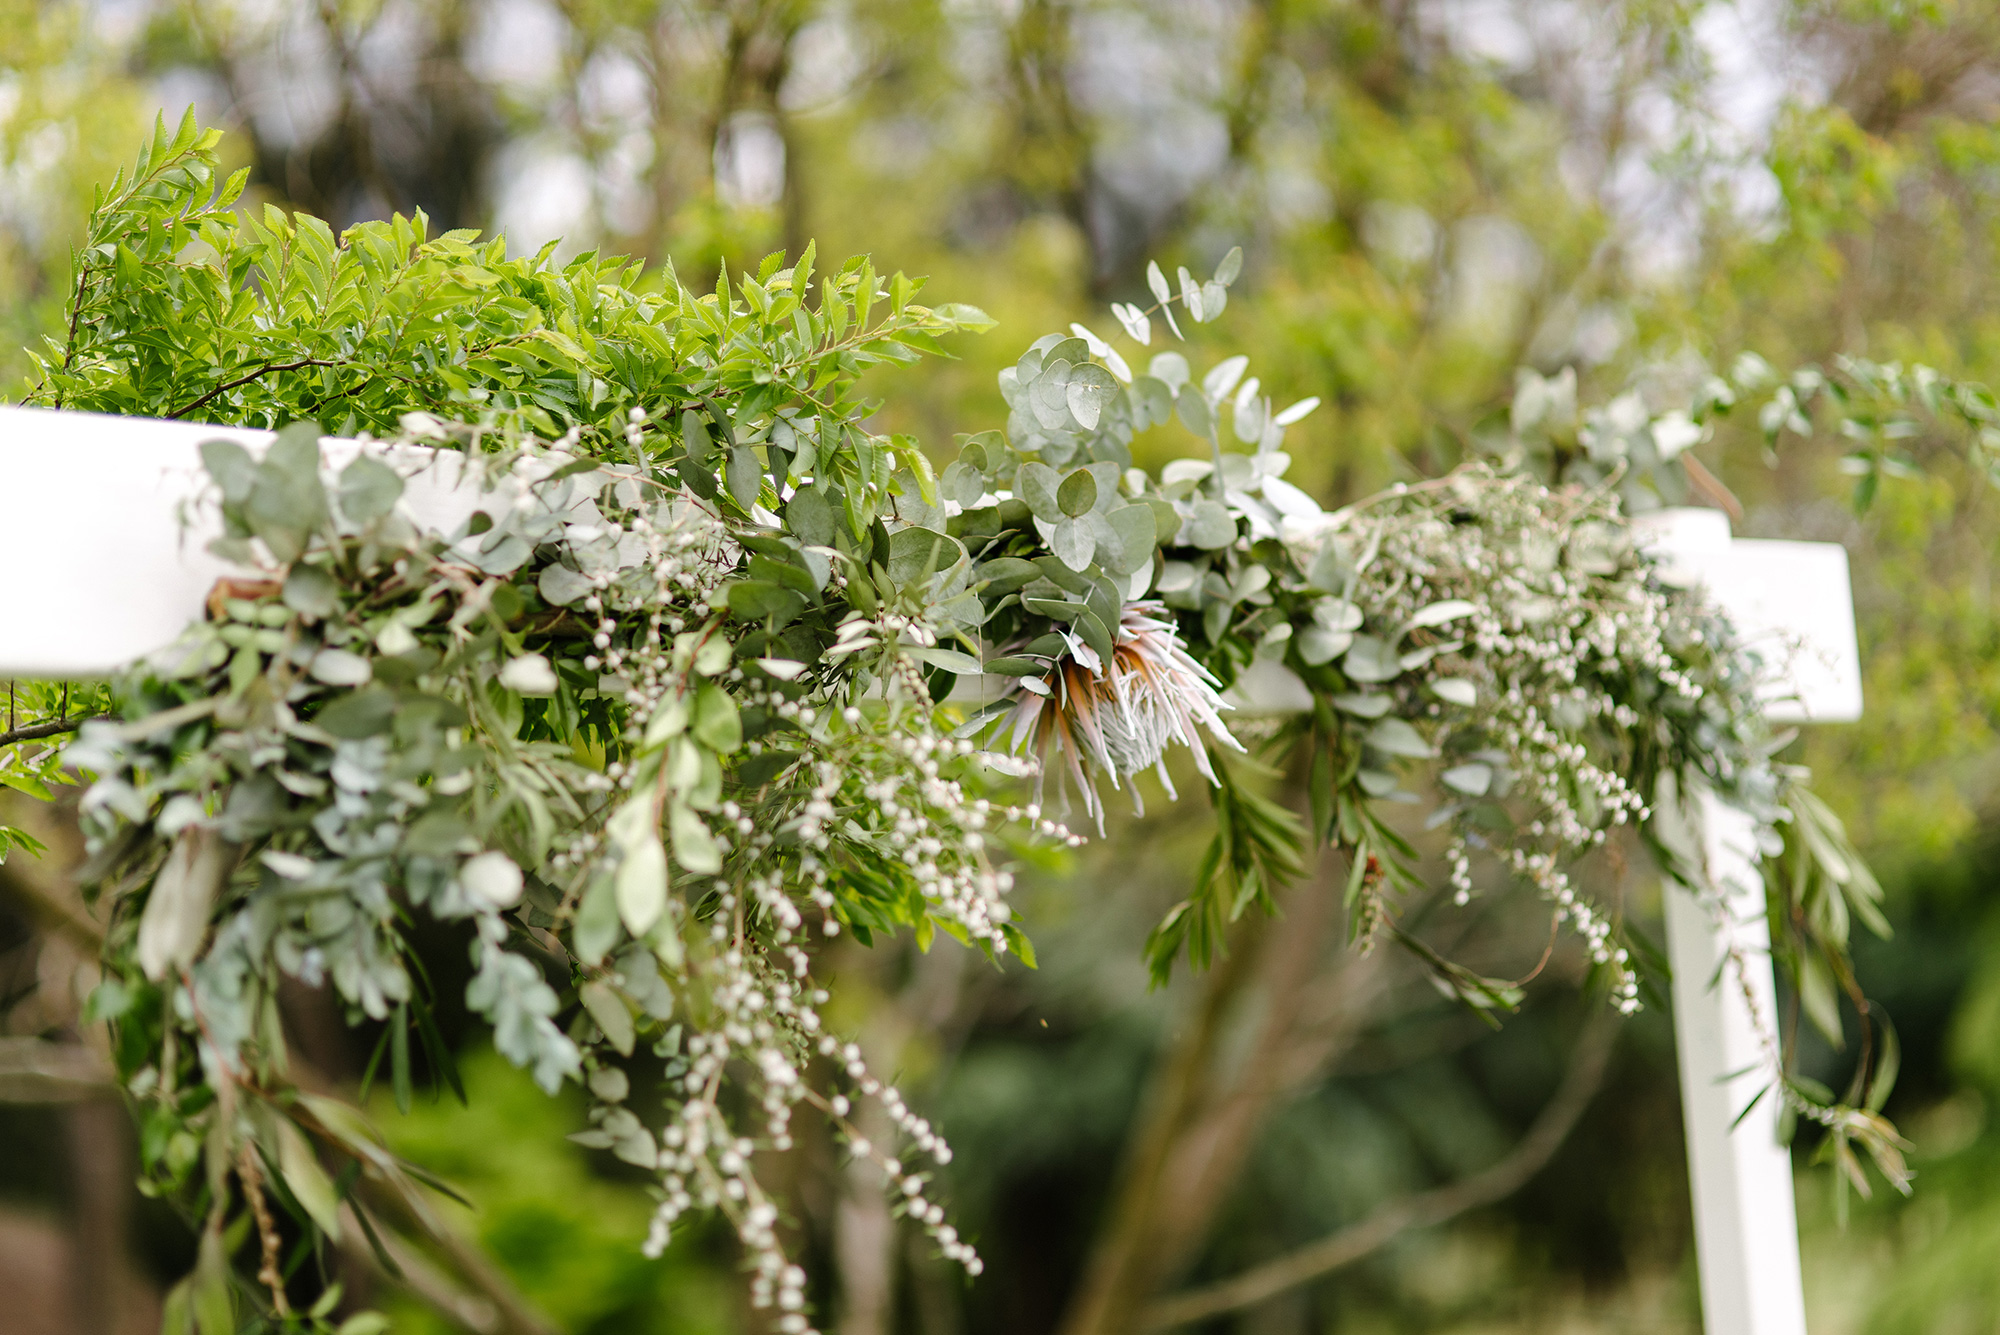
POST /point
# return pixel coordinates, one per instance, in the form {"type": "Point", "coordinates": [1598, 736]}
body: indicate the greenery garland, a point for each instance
{"type": "Point", "coordinates": [677, 698]}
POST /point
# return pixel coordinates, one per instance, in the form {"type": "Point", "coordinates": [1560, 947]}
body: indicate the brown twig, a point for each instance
{"type": "Point", "coordinates": [1427, 1208]}
{"type": "Point", "coordinates": [50, 728]}
{"type": "Point", "coordinates": [268, 1272]}
{"type": "Point", "coordinates": [1709, 485]}
{"type": "Point", "coordinates": [264, 370]}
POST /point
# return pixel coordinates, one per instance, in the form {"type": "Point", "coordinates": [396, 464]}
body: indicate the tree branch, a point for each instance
{"type": "Point", "coordinates": [35, 1070]}
{"type": "Point", "coordinates": [1116, 1271]}
{"type": "Point", "coordinates": [1426, 1208]}
{"type": "Point", "coordinates": [264, 370]}
{"type": "Point", "coordinates": [51, 728]}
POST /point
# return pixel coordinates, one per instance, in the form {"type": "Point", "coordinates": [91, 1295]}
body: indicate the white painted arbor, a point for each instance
{"type": "Point", "coordinates": [102, 597]}
{"type": "Point", "coordinates": [1792, 601]}
{"type": "Point", "coordinates": [86, 601]}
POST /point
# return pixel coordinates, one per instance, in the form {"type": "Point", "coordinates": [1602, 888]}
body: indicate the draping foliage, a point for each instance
{"type": "Point", "coordinates": [677, 697]}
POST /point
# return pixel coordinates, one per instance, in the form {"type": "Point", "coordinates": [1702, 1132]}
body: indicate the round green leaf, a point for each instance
{"type": "Point", "coordinates": [1152, 402]}
{"type": "Point", "coordinates": [232, 468]}
{"type": "Point", "coordinates": [1371, 659]}
{"type": "Point", "coordinates": [810, 518]}
{"type": "Point", "coordinates": [1077, 494]}
{"type": "Point", "coordinates": [915, 554]}
{"type": "Point", "coordinates": [1194, 411]}
{"type": "Point", "coordinates": [1472, 780]}
{"type": "Point", "coordinates": [716, 724]}
{"type": "Point", "coordinates": [1133, 526]}
{"type": "Point", "coordinates": [1073, 544]}
{"type": "Point", "coordinates": [369, 489]}
{"type": "Point", "coordinates": [1211, 526]}
{"type": "Point", "coordinates": [1090, 388]}
{"type": "Point", "coordinates": [1397, 738]}
{"type": "Point", "coordinates": [361, 714]}
{"type": "Point", "coordinates": [1049, 396]}
{"type": "Point", "coordinates": [694, 846]}
{"type": "Point", "coordinates": [1036, 484]}
{"type": "Point", "coordinates": [962, 483]}
{"type": "Point", "coordinates": [311, 591]}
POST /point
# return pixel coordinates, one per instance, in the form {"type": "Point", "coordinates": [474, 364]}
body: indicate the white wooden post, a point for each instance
{"type": "Point", "coordinates": [1746, 1233]}
{"type": "Point", "coordinates": [1791, 600]}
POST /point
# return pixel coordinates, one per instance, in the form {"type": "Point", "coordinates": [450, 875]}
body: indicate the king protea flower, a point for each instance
{"type": "Point", "coordinates": [1117, 718]}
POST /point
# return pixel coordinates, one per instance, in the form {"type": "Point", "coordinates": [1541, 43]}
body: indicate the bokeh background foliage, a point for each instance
{"type": "Point", "coordinates": [1429, 195]}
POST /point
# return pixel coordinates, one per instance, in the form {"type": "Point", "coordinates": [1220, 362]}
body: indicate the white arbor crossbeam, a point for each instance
{"type": "Point", "coordinates": [93, 600]}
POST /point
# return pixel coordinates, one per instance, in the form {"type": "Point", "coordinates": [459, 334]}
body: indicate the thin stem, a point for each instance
{"type": "Point", "coordinates": [269, 1274]}
{"type": "Point", "coordinates": [228, 385]}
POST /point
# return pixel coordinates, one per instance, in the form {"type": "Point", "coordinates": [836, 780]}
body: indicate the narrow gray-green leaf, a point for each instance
{"type": "Point", "coordinates": [1232, 264]}
{"type": "Point", "coordinates": [1396, 737]}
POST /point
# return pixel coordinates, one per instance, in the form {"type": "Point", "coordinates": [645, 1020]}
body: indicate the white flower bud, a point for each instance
{"type": "Point", "coordinates": [529, 674]}
{"type": "Point", "coordinates": [492, 878]}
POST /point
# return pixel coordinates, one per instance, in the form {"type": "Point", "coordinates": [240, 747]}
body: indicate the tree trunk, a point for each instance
{"type": "Point", "coordinates": [1205, 1103]}
{"type": "Point", "coordinates": [100, 1158]}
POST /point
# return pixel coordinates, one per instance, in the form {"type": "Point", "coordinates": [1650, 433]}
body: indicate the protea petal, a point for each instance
{"type": "Point", "coordinates": [1114, 719]}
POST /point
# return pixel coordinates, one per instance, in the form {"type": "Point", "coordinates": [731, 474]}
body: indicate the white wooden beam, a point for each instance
{"type": "Point", "coordinates": [1746, 1226]}
{"type": "Point", "coordinates": [108, 561]}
